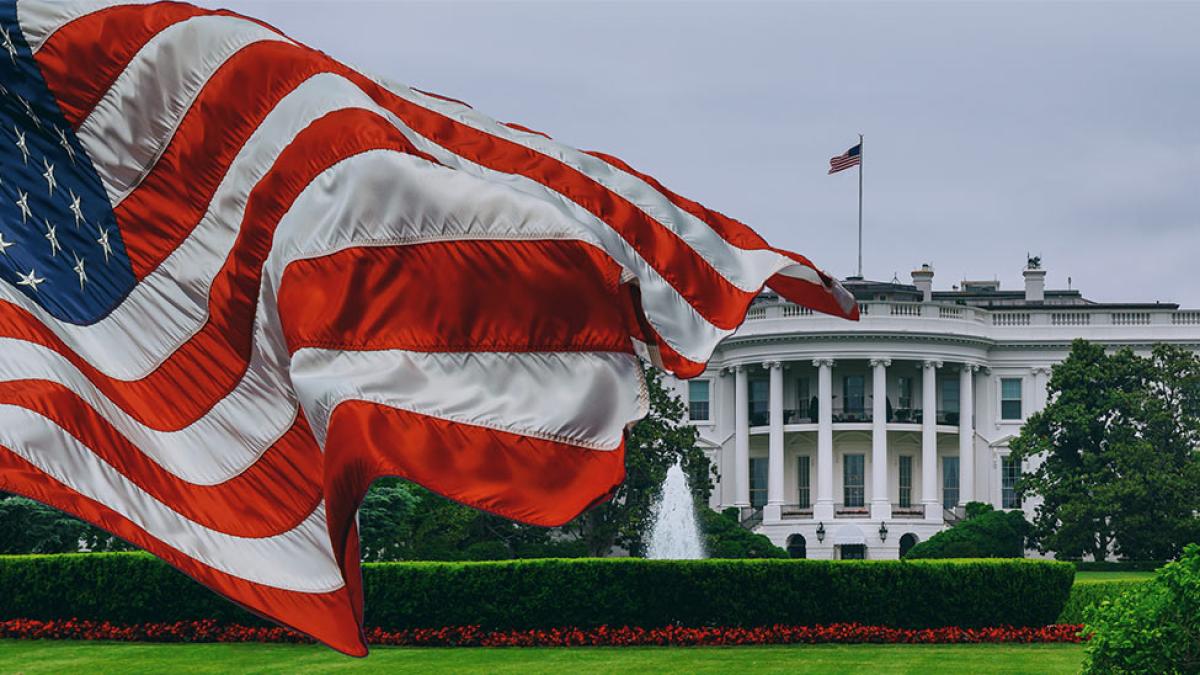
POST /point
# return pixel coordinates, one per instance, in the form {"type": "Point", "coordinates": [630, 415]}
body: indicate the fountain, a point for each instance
{"type": "Point", "coordinates": [675, 534]}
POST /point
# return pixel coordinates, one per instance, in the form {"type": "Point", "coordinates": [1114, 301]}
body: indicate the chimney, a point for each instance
{"type": "Point", "coordinates": [923, 280]}
{"type": "Point", "coordinates": [1035, 280]}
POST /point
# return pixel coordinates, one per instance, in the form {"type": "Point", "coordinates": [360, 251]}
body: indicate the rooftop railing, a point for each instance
{"type": "Point", "coordinates": [1051, 315]}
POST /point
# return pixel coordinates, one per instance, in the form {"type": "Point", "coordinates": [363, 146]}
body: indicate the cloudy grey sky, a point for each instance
{"type": "Point", "coordinates": [1071, 130]}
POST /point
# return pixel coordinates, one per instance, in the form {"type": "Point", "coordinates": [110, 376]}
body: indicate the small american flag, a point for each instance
{"type": "Point", "coordinates": [239, 281]}
{"type": "Point", "coordinates": [852, 157]}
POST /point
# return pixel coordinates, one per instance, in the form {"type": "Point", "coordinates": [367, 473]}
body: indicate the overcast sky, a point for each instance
{"type": "Point", "coordinates": [1067, 130]}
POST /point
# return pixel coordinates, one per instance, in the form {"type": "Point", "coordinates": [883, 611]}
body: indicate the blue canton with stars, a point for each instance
{"type": "Point", "coordinates": [59, 242]}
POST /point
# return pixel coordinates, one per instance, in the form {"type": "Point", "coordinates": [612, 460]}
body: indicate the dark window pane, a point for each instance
{"type": "Point", "coordinates": [949, 482]}
{"type": "Point", "coordinates": [803, 482]}
{"type": "Point", "coordinates": [698, 400]}
{"type": "Point", "coordinates": [1010, 473]}
{"type": "Point", "coordinates": [853, 480]}
{"type": "Point", "coordinates": [758, 482]}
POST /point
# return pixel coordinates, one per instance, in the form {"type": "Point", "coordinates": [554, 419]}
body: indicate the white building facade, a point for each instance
{"type": "Point", "coordinates": [838, 439]}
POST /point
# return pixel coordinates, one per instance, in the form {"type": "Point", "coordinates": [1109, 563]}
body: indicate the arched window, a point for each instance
{"type": "Point", "coordinates": [797, 547]}
{"type": "Point", "coordinates": [907, 542]}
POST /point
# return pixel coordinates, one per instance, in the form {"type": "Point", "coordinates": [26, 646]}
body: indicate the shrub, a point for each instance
{"type": "Point", "coordinates": [1154, 628]}
{"type": "Point", "coordinates": [724, 537]}
{"type": "Point", "coordinates": [1087, 594]}
{"type": "Point", "coordinates": [990, 534]}
{"type": "Point", "coordinates": [585, 593]}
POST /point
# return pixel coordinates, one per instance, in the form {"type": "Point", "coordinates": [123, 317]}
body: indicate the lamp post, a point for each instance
{"type": "Point", "coordinates": [821, 531]}
{"type": "Point", "coordinates": [883, 532]}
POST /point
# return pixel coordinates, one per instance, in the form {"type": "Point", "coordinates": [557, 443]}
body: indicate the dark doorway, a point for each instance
{"type": "Point", "coordinates": [797, 547]}
{"type": "Point", "coordinates": [906, 543]}
{"type": "Point", "coordinates": [854, 552]}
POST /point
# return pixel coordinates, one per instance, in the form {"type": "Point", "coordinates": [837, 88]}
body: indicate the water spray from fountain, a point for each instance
{"type": "Point", "coordinates": [675, 534]}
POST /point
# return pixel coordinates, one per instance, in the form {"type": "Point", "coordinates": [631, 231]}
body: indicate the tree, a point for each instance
{"type": "Point", "coordinates": [1117, 450]}
{"type": "Point", "coordinates": [724, 537]}
{"type": "Point", "coordinates": [27, 526]}
{"type": "Point", "coordinates": [386, 520]}
{"type": "Point", "coordinates": [984, 533]}
{"type": "Point", "coordinates": [654, 444]}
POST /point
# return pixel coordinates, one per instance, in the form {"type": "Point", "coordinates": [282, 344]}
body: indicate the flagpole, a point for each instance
{"type": "Point", "coordinates": [861, 159]}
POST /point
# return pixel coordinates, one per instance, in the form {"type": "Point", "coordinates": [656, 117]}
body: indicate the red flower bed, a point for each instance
{"type": "Point", "coordinates": [604, 636]}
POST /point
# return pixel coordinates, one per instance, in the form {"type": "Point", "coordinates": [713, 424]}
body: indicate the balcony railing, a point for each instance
{"type": "Point", "coordinates": [852, 414]}
{"type": "Point", "coordinates": [796, 510]}
{"type": "Point", "coordinates": [908, 511]}
{"type": "Point", "coordinates": [843, 511]}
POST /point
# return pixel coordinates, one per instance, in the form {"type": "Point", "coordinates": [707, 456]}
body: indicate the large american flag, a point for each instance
{"type": "Point", "coordinates": [241, 280]}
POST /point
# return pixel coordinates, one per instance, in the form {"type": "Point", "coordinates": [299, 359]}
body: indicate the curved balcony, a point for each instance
{"type": "Point", "coordinates": [902, 419]}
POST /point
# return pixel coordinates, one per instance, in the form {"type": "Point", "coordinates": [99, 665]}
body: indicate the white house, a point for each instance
{"type": "Point", "coordinates": [791, 414]}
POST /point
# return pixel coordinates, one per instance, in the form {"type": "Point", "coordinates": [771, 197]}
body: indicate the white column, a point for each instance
{"type": "Point", "coordinates": [881, 505]}
{"type": "Point", "coordinates": [1041, 379]}
{"type": "Point", "coordinates": [929, 482]}
{"type": "Point", "coordinates": [966, 434]}
{"type": "Point", "coordinates": [741, 439]}
{"type": "Point", "coordinates": [774, 507]}
{"type": "Point", "coordinates": [823, 508]}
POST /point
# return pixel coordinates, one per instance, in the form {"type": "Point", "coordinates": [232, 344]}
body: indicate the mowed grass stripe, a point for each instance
{"type": "Point", "coordinates": [32, 657]}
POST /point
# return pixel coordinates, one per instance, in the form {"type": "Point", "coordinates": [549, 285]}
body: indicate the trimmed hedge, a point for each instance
{"type": "Point", "coordinates": [582, 593]}
{"type": "Point", "coordinates": [1085, 594]}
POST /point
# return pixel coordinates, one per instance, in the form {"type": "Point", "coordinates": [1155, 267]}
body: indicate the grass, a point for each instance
{"type": "Point", "coordinates": [1083, 577]}
{"type": "Point", "coordinates": [30, 657]}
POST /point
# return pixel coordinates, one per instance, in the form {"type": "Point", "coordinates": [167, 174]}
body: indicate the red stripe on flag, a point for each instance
{"type": "Point", "coordinates": [522, 478]}
{"type": "Point", "coordinates": [507, 296]}
{"type": "Point", "coordinates": [333, 618]}
{"type": "Point", "coordinates": [233, 507]}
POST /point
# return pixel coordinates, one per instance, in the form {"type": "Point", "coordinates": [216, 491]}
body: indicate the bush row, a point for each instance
{"type": "Point", "coordinates": [602, 636]}
{"type": "Point", "coordinates": [1085, 594]}
{"type": "Point", "coordinates": [583, 593]}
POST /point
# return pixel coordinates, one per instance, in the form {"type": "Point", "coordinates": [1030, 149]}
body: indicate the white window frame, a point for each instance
{"type": "Point", "coordinates": [1000, 378]}
{"type": "Point", "coordinates": [712, 416]}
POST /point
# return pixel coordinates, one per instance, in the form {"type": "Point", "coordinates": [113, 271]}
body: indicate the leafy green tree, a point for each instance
{"type": "Point", "coordinates": [724, 537]}
{"type": "Point", "coordinates": [386, 520]}
{"type": "Point", "coordinates": [1117, 450]}
{"type": "Point", "coordinates": [653, 446]}
{"type": "Point", "coordinates": [984, 533]}
{"type": "Point", "coordinates": [27, 526]}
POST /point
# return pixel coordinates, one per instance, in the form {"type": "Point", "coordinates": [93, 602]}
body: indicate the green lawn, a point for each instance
{"type": "Point", "coordinates": [1110, 576]}
{"type": "Point", "coordinates": [29, 657]}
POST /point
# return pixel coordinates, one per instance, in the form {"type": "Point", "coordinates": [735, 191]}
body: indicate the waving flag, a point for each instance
{"type": "Point", "coordinates": [239, 281]}
{"type": "Point", "coordinates": [849, 158]}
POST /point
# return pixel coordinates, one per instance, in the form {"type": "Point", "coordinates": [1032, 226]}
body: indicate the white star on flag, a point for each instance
{"type": "Point", "coordinates": [21, 145]}
{"type": "Point", "coordinates": [66, 145]}
{"type": "Point", "coordinates": [10, 47]}
{"type": "Point", "coordinates": [31, 280]}
{"type": "Point", "coordinates": [79, 270]}
{"type": "Point", "coordinates": [48, 174]}
{"type": "Point", "coordinates": [76, 209]}
{"type": "Point", "coordinates": [4, 244]}
{"type": "Point", "coordinates": [103, 241]}
{"type": "Point", "coordinates": [23, 204]}
{"type": "Point", "coordinates": [52, 237]}
{"type": "Point", "coordinates": [30, 111]}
